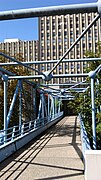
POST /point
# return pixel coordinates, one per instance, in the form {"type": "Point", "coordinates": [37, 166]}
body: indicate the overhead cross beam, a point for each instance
{"type": "Point", "coordinates": [49, 11]}
{"type": "Point", "coordinates": [50, 61]}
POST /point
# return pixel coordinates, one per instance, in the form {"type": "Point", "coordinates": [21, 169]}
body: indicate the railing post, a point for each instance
{"type": "Point", "coordinates": [93, 113]}
{"type": "Point", "coordinates": [51, 111]}
{"type": "Point", "coordinates": [53, 107]}
{"type": "Point", "coordinates": [5, 79]}
{"type": "Point", "coordinates": [22, 129]}
{"type": "Point", "coordinates": [20, 105]}
{"type": "Point", "coordinates": [30, 125]}
{"type": "Point", "coordinates": [92, 76]}
{"type": "Point", "coordinates": [59, 105]}
{"type": "Point", "coordinates": [48, 107]}
{"type": "Point", "coordinates": [34, 102]}
{"type": "Point", "coordinates": [43, 113]}
{"type": "Point", "coordinates": [41, 109]}
{"type": "Point", "coordinates": [13, 133]}
{"type": "Point", "coordinates": [55, 103]}
{"type": "Point", "coordinates": [97, 94]}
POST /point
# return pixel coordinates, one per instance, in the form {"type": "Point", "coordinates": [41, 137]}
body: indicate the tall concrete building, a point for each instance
{"type": "Point", "coordinates": [57, 34]}
{"type": "Point", "coordinates": [28, 49]}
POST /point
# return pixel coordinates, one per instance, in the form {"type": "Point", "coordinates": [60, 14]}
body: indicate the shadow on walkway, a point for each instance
{"type": "Point", "coordinates": [17, 164]}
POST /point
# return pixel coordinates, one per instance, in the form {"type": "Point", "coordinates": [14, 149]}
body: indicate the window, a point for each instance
{"type": "Point", "coordinates": [77, 45]}
{"type": "Point", "coordinates": [65, 33]}
{"type": "Point", "coordinates": [60, 40]}
{"type": "Point", "coordinates": [77, 18]}
{"type": "Point", "coordinates": [53, 33]}
{"type": "Point", "coordinates": [48, 67]}
{"type": "Point", "coordinates": [53, 47]}
{"type": "Point", "coordinates": [71, 33]}
{"type": "Point", "coordinates": [60, 67]}
{"type": "Point", "coordinates": [53, 26]}
{"type": "Point", "coordinates": [47, 27]}
{"type": "Point", "coordinates": [71, 25]}
{"type": "Point", "coordinates": [66, 66]}
{"type": "Point", "coordinates": [83, 45]}
{"type": "Point", "coordinates": [60, 47]}
{"type": "Point", "coordinates": [77, 25]}
{"type": "Point", "coordinates": [72, 66]}
{"type": "Point", "coordinates": [42, 68]}
{"type": "Point", "coordinates": [59, 26]}
{"type": "Point", "coordinates": [48, 47]}
{"type": "Point", "coordinates": [71, 39]}
{"type": "Point", "coordinates": [47, 35]}
{"type": "Point", "coordinates": [59, 33]}
{"type": "Point", "coordinates": [48, 53]}
{"type": "Point", "coordinates": [77, 32]}
{"type": "Point", "coordinates": [89, 31]}
{"type": "Point", "coordinates": [78, 66]}
{"type": "Point", "coordinates": [90, 45]}
{"type": "Point", "coordinates": [65, 26]}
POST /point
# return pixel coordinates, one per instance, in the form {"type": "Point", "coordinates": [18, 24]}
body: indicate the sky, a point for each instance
{"type": "Point", "coordinates": [27, 29]}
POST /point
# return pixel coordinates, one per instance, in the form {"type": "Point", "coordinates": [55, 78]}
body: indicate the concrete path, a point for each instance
{"type": "Point", "coordinates": [54, 155]}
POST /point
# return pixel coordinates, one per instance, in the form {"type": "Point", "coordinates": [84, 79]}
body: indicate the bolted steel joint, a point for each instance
{"type": "Point", "coordinates": [47, 76]}
{"type": "Point", "coordinates": [41, 92]}
{"type": "Point", "coordinates": [92, 74]}
{"type": "Point", "coordinates": [5, 78]}
{"type": "Point", "coordinates": [99, 7]}
{"type": "Point", "coordinates": [62, 91]}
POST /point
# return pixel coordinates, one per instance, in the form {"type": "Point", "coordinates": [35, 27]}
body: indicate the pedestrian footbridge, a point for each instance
{"type": "Point", "coordinates": [36, 140]}
{"type": "Point", "coordinates": [55, 154]}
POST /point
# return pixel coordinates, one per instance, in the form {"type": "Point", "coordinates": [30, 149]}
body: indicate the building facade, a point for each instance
{"type": "Point", "coordinates": [27, 49]}
{"type": "Point", "coordinates": [57, 34]}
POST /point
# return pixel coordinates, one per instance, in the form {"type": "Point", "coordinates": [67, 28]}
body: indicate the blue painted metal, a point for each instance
{"type": "Point", "coordinates": [48, 107]}
{"type": "Point", "coordinates": [84, 137]}
{"type": "Point", "coordinates": [20, 63]}
{"type": "Point", "coordinates": [5, 79]}
{"type": "Point", "coordinates": [6, 72]}
{"type": "Point", "coordinates": [20, 104]}
{"type": "Point", "coordinates": [17, 140]}
{"type": "Point", "coordinates": [53, 104]}
{"type": "Point", "coordinates": [65, 84]}
{"type": "Point", "coordinates": [26, 128]}
{"type": "Point", "coordinates": [49, 11]}
{"type": "Point", "coordinates": [42, 77]}
{"type": "Point", "coordinates": [93, 113]}
{"type": "Point", "coordinates": [51, 61]}
{"type": "Point", "coordinates": [47, 112]}
{"type": "Point", "coordinates": [92, 75]}
{"type": "Point", "coordinates": [12, 104]}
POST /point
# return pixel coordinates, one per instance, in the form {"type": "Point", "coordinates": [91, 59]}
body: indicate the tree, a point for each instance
{"type": "Point", "coordinates": [26, 94]}
{"type": "Point", "coordinates": [82, 102]}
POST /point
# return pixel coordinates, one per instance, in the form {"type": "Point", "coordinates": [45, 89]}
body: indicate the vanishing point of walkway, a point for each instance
{"type": "Point", "coordinates": [54, 155]}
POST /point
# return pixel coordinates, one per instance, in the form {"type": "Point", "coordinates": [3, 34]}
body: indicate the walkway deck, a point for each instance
{"type": "Point", "coordinates": [54, 155]}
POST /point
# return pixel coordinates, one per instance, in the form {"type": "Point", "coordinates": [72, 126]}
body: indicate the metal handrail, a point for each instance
{"type": "Point", "coordinates": [19, 131]}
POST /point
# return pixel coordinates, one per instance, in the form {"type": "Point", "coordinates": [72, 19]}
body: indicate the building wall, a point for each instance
{"type": "Point", "coordinates": [57, 34]}
{"type": "Point", "coordinates": [28, 49]}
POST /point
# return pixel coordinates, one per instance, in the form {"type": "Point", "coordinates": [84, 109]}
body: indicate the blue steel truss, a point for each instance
{"type": "Point", "coordinates": [49, 106]}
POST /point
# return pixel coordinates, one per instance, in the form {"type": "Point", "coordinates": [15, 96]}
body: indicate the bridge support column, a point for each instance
{"type": "Point", "coordinates": [55, 105]}
{"type": "Point", "coordinates": [59, 105]}
{"type": "Point", "coordinates": [42, 113]}
{"type": "Point", "coordinates": [20, 106]}
{"type": "Point", "coordinates": [92, 75]}
{"type": "Point", "coordinates": [48, 107]}
{"type": "Point", "coordinates": [53, 110]}
{"type": "Point", "coordinates": [93, 113]}
{"type": "Point", "coordinates": [5, 79]}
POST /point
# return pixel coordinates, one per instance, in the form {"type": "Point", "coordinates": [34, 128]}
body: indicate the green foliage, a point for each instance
{"type": "Point", "coordinates": [26, 102]}
{"type": "Point", "coordinates": [82, 102]}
